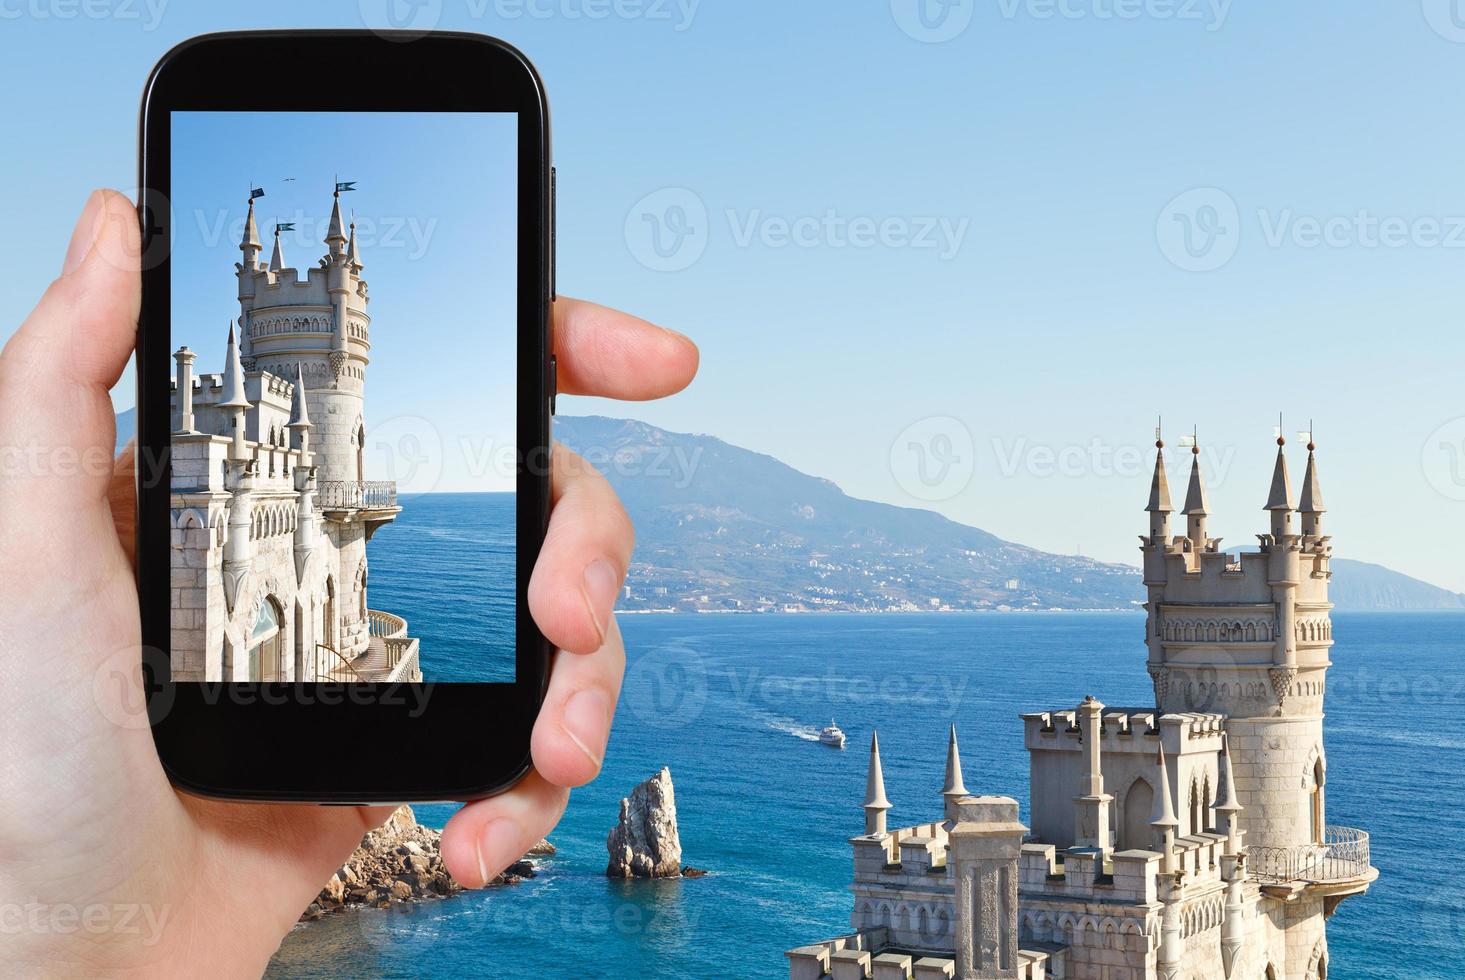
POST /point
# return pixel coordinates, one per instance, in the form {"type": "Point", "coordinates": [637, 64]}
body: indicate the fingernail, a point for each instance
{"type": "Point", "coordinates": [84, 235]}
{"type": "Point", "coordinates": [680, 336]}
{"type": "Point", "coordinates": [587, 722]}
{"type": "Point", "coordinates": [601, 582]}
{"type": "Point", "coordinates": [497, 847]}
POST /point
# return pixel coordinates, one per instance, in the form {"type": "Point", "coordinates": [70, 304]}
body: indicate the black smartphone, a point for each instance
{"type": "Point", "coordinates": [345, 383]}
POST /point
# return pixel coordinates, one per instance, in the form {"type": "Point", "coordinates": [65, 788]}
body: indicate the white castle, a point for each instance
{"type": "Point", "coordinates": [1188, 841]}
{"type": "Point", "coordinates": [271, 509]}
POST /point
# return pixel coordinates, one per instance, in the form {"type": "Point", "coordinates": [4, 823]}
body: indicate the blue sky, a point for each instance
{"type": "Point", "coordinates": [774, 178]}
{"type": "Point", "coordinates": [434, 207]}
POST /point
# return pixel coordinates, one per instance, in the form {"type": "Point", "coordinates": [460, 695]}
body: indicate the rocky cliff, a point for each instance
{"type": "Point", "coordinates": [644, 843]}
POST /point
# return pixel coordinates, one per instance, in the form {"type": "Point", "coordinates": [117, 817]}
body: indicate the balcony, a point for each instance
{"type": "Point", "coordinates": [357, 494]}
{"type": "Point", "coordinates": [385, 625]}
{"type": "Point", "coordinates": [391, 656]}
{"type": "Point", "coordinates": [1337, 864]}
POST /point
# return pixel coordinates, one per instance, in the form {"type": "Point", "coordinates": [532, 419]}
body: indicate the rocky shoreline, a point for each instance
{"type": "Point", "coordinates": [401, 862]}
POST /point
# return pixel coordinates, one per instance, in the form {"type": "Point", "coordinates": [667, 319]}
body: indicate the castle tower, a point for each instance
{"type": "Point", "coordinates": [315, 328]}
{"type": "Point", "coordinates": [1247, 636]}
{"type": "Point", "coordinates": [954, 788]}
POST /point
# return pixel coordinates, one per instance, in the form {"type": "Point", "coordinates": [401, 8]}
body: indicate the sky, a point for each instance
{"type": "Point", "coordinates": [434, 205]}
{"type": "Point", "coordinates": [960, 256]}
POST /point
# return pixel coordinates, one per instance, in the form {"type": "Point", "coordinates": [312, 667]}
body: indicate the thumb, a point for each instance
{"type": "Point", "coordinates": [56, 422]}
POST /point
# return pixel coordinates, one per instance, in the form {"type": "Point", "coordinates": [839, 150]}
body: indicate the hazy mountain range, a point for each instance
{"type": "Point", "coordinates": [719, 527]}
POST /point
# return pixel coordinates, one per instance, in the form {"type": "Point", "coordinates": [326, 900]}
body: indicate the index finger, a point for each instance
{"type": "Point", "coordinates": [604, 352]}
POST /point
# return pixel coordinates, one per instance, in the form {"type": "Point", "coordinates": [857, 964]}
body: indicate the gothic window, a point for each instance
{"type": "Point", "coordinates": [1195, 812]}
{"type": "Point", "coordinates": [1205, 813]}
{"type": "Point", "coordinates": [265, 643]}
{"type": "Point", "coordinates": [328, 615]}
{"type": "Point", "coordinates": [1315, 802]}
{"type": "Point", "coordinates": [1138, 802]}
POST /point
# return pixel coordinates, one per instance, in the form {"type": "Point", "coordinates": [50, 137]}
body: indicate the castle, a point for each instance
{"type": "Point", "coordinates": [271, 508]}
{"type": "Point", "coordinates": [1187, 841]}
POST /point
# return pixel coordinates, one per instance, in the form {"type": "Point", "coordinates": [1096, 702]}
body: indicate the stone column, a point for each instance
{"type": "Point", "coordinates": [985, 844]}
{"type": "Point", "coordinates": [1091, 806]}
{"type": "Point", "coordinates": [185, 358]}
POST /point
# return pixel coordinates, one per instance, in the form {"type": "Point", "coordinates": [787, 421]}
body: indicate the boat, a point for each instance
{"type": "Point", "coordinates": [832, 735]}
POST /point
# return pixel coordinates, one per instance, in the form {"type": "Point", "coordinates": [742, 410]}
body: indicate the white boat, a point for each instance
{"type": "Point", "coordinates": [832, 735]}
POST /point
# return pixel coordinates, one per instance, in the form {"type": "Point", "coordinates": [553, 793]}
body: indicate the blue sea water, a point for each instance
{"type": "Point", "coordinates": [731, 704]}
{"type": "Point", "coordinates": [446, 565]}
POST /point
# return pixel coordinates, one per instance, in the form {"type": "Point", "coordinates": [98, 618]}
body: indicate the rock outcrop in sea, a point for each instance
{"type": "Point", "coordinates": [401, 861]}
{"type": "Point", "coordinates": [645, 843]}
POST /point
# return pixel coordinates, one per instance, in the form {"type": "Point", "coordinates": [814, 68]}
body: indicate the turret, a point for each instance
{"type": "Point", "coordinates": [300, 417]}
{"type": "Point", "coordinates": [232, 397]}
{"type": "Point", "coordinates": [1091, 805]}
{"type": "Point", "coordinates": [1279, 501]}
{"type": "Point", "coordinates": [1197, 507]}
{"type": "Point", "coordinates": [336, 230]}
{"type": "Point", "coordinates": [352, 258]}
{"type": "Point", "coordinates": [277, 257]}
{"type": "Point", "coordinates": [185, 359]}
{"type": "Point", "coordinates": [305, 529]}
{"type": "Point", "coordinates": [1311, 504]}
{"type": "Point", "coordinates": [1162, 817]}
{"type": "Point", "coordinates": [250, 244]}
{"type": "Point", "coordinates": [1159, 508]}
{"type": "Point", "coordinates": [1233, 865]}
{"type": "Point", "coordinates": [954, 788]}
{"type": "Point", "coordinates": [875, 803]}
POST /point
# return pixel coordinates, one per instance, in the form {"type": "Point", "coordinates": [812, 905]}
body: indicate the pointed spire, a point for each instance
{"type": "Point", "coordinates": [277, 257]}
{"type": "Point", "coordinates": [1281, 496]}
{"type": "Point", "coordinates": [352, 258]}
{"type": "Point", "coordinates": [875, 802]}
{"type": "Point", "coordinates": [1160, 484]}
{"type": "Point", "coordinates": [1228, 803]}
{"type": "Point", "coordinates": [232, 395]}
{"type": "Point", "coordinates": [336, 230]}
{"type": "Point", "coordinates": [1312, 494]}
{"type": "Point", "coordinates": [955, 786]}
{"type": "Point", "coordinates": [299, 417]}
{"type": "Point", "coordinates": [1163, 815]}
{"type": "Point", "coordinates": [1196, 502]}
{"type": "Point", "coordinates": [251, 235]}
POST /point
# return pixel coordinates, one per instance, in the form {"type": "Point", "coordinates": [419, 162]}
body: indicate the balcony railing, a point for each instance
{"type": "Point", "coordinates": [1342, 855]}
{"type": "Point", "coordinates": [385, 625]}
{"type": "Point", "coordinates": [343, 494]}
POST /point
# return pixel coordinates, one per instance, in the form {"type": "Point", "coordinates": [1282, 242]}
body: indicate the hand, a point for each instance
{"type": "Point", "coordinates": [104, 868]}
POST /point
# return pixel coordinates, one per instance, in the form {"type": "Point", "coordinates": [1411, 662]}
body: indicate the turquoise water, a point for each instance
{"type": "Point", "coordinates": [463, 611]}
{"type": "Point", "coordinates": [730, 704]}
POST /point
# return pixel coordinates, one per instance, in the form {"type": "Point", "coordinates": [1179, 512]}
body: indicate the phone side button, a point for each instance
{"type": "Point", "coordinates": [554, 229]}
{"type": "Point", "coordinates": [554, 382]}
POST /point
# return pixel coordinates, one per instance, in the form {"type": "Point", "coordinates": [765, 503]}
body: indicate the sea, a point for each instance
{"type": "Point", "coordinates": [732, 704]}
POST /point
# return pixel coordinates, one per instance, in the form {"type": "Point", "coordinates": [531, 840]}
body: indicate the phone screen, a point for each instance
{"type": "Point", "coordinates": [343, 401]}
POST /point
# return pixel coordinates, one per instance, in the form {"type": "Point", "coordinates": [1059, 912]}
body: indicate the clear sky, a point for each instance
{"type": "Point", "coordinates": [434, 205]}
{"type": "Point", "coordinates": [1063, 306]}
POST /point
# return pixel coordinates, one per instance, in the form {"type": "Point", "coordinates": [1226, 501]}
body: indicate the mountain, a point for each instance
{"type": "Point", "coordinates": [1359, 585]}
{"type": "Point", "coordinates": [721, 528]}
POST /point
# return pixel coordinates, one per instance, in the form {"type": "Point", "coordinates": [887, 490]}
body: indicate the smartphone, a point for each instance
{"type": "Point", "coordinates": [345, 384]}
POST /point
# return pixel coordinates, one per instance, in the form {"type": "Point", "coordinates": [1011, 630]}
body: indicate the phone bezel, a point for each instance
{"type": "Point", "coordinates": [380, 743]}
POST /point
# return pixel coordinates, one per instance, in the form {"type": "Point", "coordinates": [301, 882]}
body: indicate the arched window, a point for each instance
{"type": "Point", "coordinates": [265, 643]}
{"type": "Point", "coordinates": [360, 450]}
{"type": "Point", "coordinates": [1205, 803]}
{"type": "Point", "coordinates": [1195, 814]}
{"type": "Point", "coordinates": [328, 615]}
{"type": "Point", "coordinates": [1315, 802]}
{"type": "Point", "coordinates": [1138, 802]}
